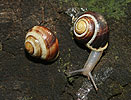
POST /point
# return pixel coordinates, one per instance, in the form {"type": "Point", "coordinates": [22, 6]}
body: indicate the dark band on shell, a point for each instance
{"type": "Point", "coordinates": [44, 43]}
{"type": "Point", "coordinates": [96, 36]}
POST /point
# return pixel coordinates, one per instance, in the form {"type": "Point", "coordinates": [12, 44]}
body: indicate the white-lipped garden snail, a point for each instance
{"type": "Point", "coordinates": [91, 29]}
{"type": "Point", "coordinates": [40, 42]}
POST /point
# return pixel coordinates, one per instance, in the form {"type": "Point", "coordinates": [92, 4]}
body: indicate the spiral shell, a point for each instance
{"type": "Point", "coordinates": [42, 43]}
{"type": "Point", "coordinates": [91, 29]}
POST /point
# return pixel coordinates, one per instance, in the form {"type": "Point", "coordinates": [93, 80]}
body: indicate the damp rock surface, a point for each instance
{"type": "Point", "coordinates": [23, 77]}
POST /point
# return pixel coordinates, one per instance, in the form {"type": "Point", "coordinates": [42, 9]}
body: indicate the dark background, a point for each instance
{"type": "Point", "coordinates": [25, 78]}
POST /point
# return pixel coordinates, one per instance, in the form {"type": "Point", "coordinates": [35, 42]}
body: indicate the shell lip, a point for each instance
{"type": "Point", "coordinates": [97, 49]}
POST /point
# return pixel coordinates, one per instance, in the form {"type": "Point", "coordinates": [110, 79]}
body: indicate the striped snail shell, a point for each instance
{"type": "Point", "coordinates": [40, 42]}
{"type": "Point", "coordinates": [91, 28]}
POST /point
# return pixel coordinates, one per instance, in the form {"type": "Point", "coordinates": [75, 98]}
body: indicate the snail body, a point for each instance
{"type": "Point", "coordinates": [40, 42]}
{"type": "Point", "coordinates": [91, 29]}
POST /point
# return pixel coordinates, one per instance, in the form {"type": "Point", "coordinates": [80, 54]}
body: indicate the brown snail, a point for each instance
{"type": "Point", "coordinates": [91, 29]}
{"type": "Point", "coordinates": [40, 42]}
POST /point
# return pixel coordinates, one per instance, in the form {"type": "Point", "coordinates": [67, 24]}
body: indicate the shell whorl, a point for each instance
{"type": "Point", "coordinates": [42, 43]}
{"type": "Point", "coordinates": [91, 29]}
{"type": "Point", "coordinates": [81, 26]}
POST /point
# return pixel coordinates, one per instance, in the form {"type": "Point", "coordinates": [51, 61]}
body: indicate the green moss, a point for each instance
{"type": "Point", "coordinates": [110, 8]}
{"type": "Point", "coordinates": [64, 62]}
{"type": "Point", "coordinates": [70, 79]}
{"type": "Point", "coordinates": [0, 46]}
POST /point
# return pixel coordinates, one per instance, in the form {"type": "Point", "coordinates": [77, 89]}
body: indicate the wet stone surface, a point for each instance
{"type": "Point", "coordinates": [23, 77]}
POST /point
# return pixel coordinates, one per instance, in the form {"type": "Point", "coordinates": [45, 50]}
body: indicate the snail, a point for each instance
{"type": "Point", "coordinates": [40, 42]}
{"type": "Point", "coordinates": [91, 29]}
